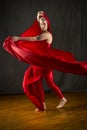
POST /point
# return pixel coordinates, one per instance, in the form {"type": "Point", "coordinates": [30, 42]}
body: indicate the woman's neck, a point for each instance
{"type": "Point", "coordinates": [43, 31]}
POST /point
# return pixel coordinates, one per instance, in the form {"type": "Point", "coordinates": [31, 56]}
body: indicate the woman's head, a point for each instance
{"type": "Point", "coordinates": [43, 21]}
{"type": "Point", "coordinates": [43, 24]}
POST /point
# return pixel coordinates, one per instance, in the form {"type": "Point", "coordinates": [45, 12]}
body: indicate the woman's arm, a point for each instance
{"type": "Point", "coordinates": [39, 14]}
{"type": "Point", "coordinates": [41, 37]}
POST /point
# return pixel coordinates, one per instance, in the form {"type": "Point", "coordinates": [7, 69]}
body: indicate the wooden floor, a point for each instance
{"type": "Point", "coordinates": [17, 113]}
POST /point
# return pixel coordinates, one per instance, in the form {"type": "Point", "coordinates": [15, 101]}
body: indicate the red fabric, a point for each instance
{"type": "Point", "coordinates": [38, 53]}
{"type": "Point", "coordinates": [43, 60]}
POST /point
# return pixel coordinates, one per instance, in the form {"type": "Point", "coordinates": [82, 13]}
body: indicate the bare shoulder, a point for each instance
{"type": "Point", "coordinates": [48, 34]}
{"type": "Point", "coordinates": [49, 37]}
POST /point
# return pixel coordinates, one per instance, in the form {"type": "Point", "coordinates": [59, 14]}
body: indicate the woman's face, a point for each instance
{"type": "Point", "coordinates": [43, 24]}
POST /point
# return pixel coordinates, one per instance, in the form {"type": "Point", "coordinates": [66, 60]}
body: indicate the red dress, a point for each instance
{"type": "Point", "coordinates": [43, 60]}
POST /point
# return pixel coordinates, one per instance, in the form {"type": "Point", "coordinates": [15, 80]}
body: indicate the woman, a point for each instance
{"type": "Point", "coordinates": [34, 47]}
{"type": "Point", "coordinates": [46, 73]}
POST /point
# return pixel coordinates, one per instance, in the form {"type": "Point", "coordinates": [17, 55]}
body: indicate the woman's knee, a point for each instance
{"type": "Point", "coordinates": [51, 84]}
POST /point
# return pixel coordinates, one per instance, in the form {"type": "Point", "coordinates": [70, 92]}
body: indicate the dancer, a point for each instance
{"type": "Point", "coordinates": [44, 73]}
{"type": "Point", "coordinates": [34, 47]}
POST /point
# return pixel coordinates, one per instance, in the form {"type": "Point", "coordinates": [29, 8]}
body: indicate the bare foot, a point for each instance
{"type": "Point", "coordinates": [62, 102]}
{"type": "Point", "coordinates": [37, 109]}
{"type": "Point", "coordinates": [44, 105]}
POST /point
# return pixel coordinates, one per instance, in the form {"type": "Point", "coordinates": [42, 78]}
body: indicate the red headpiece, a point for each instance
{"type": "Point", "coordinates": [35, 28]}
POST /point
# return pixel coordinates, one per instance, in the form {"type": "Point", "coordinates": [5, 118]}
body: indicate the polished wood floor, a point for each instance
{"type": "Point", "coordinates": [17, 113]}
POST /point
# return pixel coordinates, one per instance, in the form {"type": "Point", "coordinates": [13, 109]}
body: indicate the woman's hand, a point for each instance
{"type": "Point", "coordinates": [39, 14]}
{"type": "Point", "coordinates": [15, 38]}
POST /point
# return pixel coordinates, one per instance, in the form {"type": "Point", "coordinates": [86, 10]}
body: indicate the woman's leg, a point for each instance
{"type": "Point", "coordinates": [31, 93]}
{"type": "Point", "coordinates": [51, 84]}
{"type": "Point", "coordinates": [29, 87]}
{"type": "Point", "coordinates": [40, 91]}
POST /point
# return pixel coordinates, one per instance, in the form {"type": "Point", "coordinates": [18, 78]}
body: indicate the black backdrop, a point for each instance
{"type": "Point", "coordinates": [69, 25]}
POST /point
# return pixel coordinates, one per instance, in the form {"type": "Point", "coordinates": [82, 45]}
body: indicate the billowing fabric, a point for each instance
{"type": "Point", "coordinates": [38, 53]}
{"type": "Point", "coordinates": [43, 59]}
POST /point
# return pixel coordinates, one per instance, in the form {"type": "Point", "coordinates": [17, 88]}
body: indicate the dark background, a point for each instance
{"type": "Point", "coordinates": [69, 25]}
